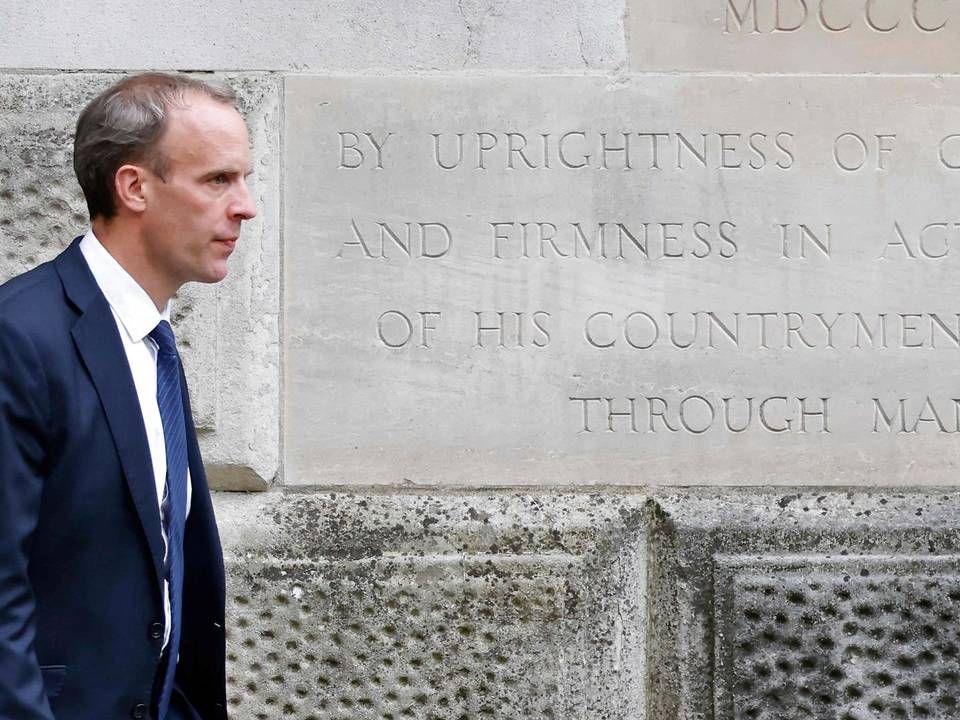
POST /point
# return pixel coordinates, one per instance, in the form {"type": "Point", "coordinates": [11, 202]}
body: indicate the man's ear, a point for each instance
{"type": "Point", "coordinates": [128, 183]}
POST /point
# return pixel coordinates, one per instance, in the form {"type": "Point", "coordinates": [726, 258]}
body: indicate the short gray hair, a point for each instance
{"type": "Point", "coordinates": [124, 124]}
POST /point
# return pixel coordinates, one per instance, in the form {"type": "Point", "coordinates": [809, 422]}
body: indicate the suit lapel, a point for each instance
{"type": "Point", "coordinates": [198, 477]}
{"type": "Point", "coordinates": [201, 511]}
{"type": "Point", "coordinates": [98, 341]}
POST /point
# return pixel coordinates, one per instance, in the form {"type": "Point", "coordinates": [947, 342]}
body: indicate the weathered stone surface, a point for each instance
{"type": "Point", "coordinates": [501, 605]}
{"type": "Point", "coordinates": [805, 637]}
{"type": "Point", "coordinates": [813, 604]}
{"type": "Point", "coordinates": [229, 333]}
{"type": "Point", "coordinates": [703, 604]}
{"type": "Point", "coordinates": [332, 34]}
{"type": "Point", "coordinates": [795, 36]}
{"type": "Point", "coordinates": [669, 279]}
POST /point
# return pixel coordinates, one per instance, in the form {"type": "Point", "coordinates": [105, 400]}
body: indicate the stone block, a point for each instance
{"type": "Point", "coordinates": [779, 607]}
{"type": "Point", "coordinates": [657, 280]}
{"type": "Point", "coordinates": [794, 36]}
{"type": "Point", "coordinates": [823, 636]}
{"type": "Point", "coordinates": [346, 605]}
{"type": "Point", "coordinates": [324, 35]}
{"type": "Point", "coordinates": [228, 333]}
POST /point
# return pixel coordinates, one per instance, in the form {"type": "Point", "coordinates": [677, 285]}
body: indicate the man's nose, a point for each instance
{"type": "Point", "coordinates": [243, 206]}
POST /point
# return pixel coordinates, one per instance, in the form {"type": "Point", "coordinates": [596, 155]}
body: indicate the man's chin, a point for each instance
{"type": "Point", "coordinates": [211, 275]}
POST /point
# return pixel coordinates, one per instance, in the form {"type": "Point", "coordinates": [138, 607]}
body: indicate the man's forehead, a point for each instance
{"type": "Point", "coordinates": [199, 113]}
{"type": "Point", "coordinates": [204, 130]}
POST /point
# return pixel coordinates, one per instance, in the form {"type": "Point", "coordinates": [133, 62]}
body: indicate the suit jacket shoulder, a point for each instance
{"type": "Point", "coordinates": [34, 304]}
{"type": "Point", "coordinates": [21, 288]}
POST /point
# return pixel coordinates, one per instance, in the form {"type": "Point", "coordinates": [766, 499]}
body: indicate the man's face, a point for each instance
{"type": "Point", "coordinates": [193, 215]}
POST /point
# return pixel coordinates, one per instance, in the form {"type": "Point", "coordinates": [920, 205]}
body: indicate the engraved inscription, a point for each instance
{"type": "Point", "coordinates": [382, 240]}
{"type": "Point", "coordinates": [396, 329]}
{"type": "Point", "coordinates": [643, 330]}
{"type": "Point", "coordinates": [621, 150]}
{"type": "Point", "coordinates": [613, 240]}
{"type": "Point", "coordinates": [675, 277]}
{"type": "Point", "coordinates": [512, 329]}
{"type": "Point", "coordinates": [359, 149]}
{"type": "Point", "coordinates": [949, 152]}
{"type": "Point", "coordinates": [698, 414]}
{"type": "Point", "coordinates": [915, 415]}
{"type": "Point", "coordinates": [853, 151]}
{"type": "Point", "coordinates": [796, 241]}
{"type": "Point", "coordinates": [835, 16]}
{"type": "Point", "coordinates": [931, 241]}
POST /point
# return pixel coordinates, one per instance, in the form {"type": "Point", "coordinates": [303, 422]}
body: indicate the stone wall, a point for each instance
{"type": "Point", "coordinates": [487, 489]}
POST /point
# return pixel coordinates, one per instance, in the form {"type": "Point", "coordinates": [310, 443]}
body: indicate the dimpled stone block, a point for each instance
{"type": "Point", "coordinates": [41, 206]}
{"type": "Point", "coordinates": [316, 35]}
{"type": "Point", "coordinates": [228, 333]}
{"type": "Point", "coordinates": [443, 606]}
{"type": "Point", "coordinates": [802, 637]}
{"type": "Point", "coordinates": [773, 606]}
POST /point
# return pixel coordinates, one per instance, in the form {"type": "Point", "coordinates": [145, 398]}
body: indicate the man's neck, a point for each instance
{"type": "Point", "coordinates": [125, 245]}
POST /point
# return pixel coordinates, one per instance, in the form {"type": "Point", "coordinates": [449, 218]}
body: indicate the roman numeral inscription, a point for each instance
{"type": "Point", "coordinates": [667, 279]}
{"type": "Point", "coordinates": [795, 36]}
{"type": "Point", "coordinates": [838, 16]}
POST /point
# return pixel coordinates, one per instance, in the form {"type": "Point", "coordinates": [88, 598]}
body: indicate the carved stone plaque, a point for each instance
{"type": "Point", "coordinates": [670, 279]}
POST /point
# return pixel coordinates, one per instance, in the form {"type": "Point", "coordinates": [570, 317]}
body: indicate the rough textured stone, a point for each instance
{"type": "Point", "coordinates": [229, 332]}
{"type": "Point", "coordinates": [803, 637]}
{"type": "Point", "coordinates": [794, 36]}
{"type": "Point", "coordinates": [726, 605]}
{"type": "Point", "coordinates": [501, 605]}
{"type": "Point", "coordinates": [572, 280]}
{"type": "Point", "coordinates": [331, 34]}
{"type": "Point", "coordinates": [805, 605]}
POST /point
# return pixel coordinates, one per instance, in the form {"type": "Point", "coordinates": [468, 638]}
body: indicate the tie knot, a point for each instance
{"type": "Point", "coordinates": [163, 336]}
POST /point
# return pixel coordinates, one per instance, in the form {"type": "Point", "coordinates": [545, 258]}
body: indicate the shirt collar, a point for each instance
{"type": "Point", "coordinates": [133, 307]}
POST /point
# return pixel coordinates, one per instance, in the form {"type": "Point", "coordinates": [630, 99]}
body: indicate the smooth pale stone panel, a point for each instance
{"type": "Point", "coordinates": [728, 300]}
{"type": "Point", "coordinates": [795, 36]}
{"type": "Point", "coordinates": [228, 333]}
{"type": "Point", "coordinates": [314, 35]}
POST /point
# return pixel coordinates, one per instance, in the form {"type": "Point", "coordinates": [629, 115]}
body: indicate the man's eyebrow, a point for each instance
{"type": "Point", "coordinates": [229, 171]}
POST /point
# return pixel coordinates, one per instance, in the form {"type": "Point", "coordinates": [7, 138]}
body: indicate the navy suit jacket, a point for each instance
{"type": "Point", "coordinates": [81, 550]}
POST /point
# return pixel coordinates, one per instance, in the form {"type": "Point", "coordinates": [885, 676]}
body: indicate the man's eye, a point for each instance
{"type": "Point", "coordinates": [219, 179]}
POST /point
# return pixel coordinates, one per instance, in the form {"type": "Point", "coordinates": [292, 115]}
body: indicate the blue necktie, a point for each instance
{"type": "Point", "coordinates": [170, 403]}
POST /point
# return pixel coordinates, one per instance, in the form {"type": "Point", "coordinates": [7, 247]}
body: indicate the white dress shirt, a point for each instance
{"type": "Point", "coordinates": [136, 316]}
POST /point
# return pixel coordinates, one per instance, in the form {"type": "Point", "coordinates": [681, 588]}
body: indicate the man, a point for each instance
{"type": "Point", "coordinates": [111, 575]}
